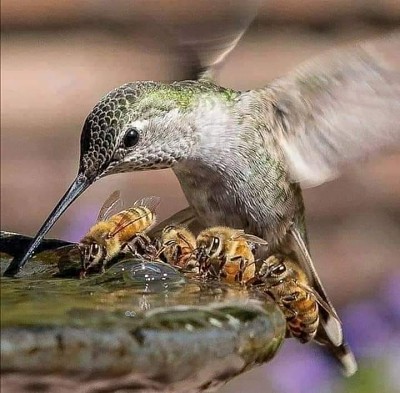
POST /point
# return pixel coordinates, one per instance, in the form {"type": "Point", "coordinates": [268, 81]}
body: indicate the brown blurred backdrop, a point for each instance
{"type": "Point", "coordinates": [59, 58]}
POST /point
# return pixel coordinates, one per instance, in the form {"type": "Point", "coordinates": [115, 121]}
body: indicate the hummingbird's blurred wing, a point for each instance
{"type": "Point", "coordinates": [206, 42]}
{"type": "Point", "coordinates": [339, 108]}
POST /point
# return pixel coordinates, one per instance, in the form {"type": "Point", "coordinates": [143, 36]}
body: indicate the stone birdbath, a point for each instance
{"type": "Point", "coordinates": [142, 326]}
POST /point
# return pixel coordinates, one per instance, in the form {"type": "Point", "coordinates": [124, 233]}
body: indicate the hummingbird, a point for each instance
{"type": "Point", "coordinates": [241, 156]}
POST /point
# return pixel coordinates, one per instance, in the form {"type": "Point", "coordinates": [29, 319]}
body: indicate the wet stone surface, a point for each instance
{"type": "Point", "coordinates": [142, 326]}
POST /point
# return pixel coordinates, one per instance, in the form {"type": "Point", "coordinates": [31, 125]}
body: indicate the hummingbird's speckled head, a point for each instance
{"type": "Point", "coordinates": [138, 126]}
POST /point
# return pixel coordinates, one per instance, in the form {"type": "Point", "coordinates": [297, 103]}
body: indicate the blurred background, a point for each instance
{"type": "Point", "coordinates": [59, 58]}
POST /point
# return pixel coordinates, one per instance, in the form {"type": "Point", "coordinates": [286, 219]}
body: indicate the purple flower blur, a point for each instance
{"type": "Point", "coordinates": [81, 223]}
{"type": "Point", "coordinates": [366, 328]}
{"type": "Point", "coordinates": [390, 295]}
{"type": "Point", "coordinates": [300, 368]}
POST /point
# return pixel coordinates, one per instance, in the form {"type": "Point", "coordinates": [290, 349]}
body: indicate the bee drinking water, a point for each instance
{"type": "Point", "coordinates": [308, 311]}
{"type": "Point", "coordinates": [178, 245]}
{"type": "Point", "coordinates": [227, 253]}
{"type": "Point", "coordinates": [114, 233]}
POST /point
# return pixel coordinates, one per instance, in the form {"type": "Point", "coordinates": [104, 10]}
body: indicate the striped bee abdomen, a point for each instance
{"type": "Point", "coordinates": [304, 323]}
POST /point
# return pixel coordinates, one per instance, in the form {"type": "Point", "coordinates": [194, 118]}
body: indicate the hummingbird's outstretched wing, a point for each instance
{"type": "Point", "coordinates": [339, 108]}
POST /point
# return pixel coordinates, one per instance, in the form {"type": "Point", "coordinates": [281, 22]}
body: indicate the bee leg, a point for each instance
{"type": "Point", "coordinates": [141, 242]}
{"type": "Point", "coordinates": [286, 305]}
{"type": "Point", "coordinates": [157, 243]}
{"type": "Point", "coordinates": [289, 313]}
{"type": "Point", "coordinates": [221, 273]}
{"type": "Point", "coordinates": [242, 267]}
{"type": "Point", "coordinates": [147, 245]}
{"type": "Point", "coordinates": [288, 299]}
{"type": "Point", "coordinates": [132, 248]}
{"type": "Point", "coordinates": [158, 251]}
{"type": "Point", "coordinates": [175, 255]}
{"type": "Point", "coordinates": [205, 267]}
{"type": "Point", "coordinates": [187, 262]}
{"type": "Point", "coordinates": [157, 248]}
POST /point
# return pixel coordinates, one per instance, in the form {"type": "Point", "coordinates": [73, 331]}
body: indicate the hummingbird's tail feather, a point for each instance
{"type": "Point", "coordinates": [344, 355]}
{"type": "Point", "coordinates": [330, 333]}
{"type": "Point", "coordinates": [331, 324]}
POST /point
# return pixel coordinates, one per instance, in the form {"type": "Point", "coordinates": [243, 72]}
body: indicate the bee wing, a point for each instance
{"type": "Point", "coordinates": [123, 223]}
{"type": "Point", "coordinates": [240, 234]}
{"type": "Point", "coordinates": [112, 204]}
{"type": "Point", "coordinates": [255, 239]}
{"type": "Point", "coordinates": [327, 307]}
{"type": "Point", "coordinates": [329, 318]}
{"type": "Point", "coordinates": [151, 202]}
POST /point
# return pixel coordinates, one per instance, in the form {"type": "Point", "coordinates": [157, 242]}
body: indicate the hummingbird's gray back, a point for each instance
{"type": "Point", "coordinates": [236, 174]}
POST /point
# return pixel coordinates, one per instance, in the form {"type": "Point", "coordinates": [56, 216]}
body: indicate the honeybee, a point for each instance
{"type": "Point", "coordinates": [305, 309]}
{"type": "Point", "coordinates": [227, 253]}
{"type": "Point", "coordinates": [118, 232]}
{"type": "Point", "coordinates": [178, 245]}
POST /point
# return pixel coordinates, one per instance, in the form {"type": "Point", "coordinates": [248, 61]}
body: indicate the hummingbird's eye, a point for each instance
{"type": "Point", "coordinates": [131, 137]}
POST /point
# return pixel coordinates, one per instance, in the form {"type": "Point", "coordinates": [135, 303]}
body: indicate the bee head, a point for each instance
{"type": "Point", "coordinates": [273, 269]}
{"type": "Point", "coordinates": [210, 247]}
{"type": "Point", "coordinates": [168, 231]}
{"type": "Point", "coordinates": [92, 254]}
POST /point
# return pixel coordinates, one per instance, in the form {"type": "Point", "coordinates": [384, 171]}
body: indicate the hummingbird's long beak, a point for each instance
{"type": "Point", "coordinates": [80, 184]}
